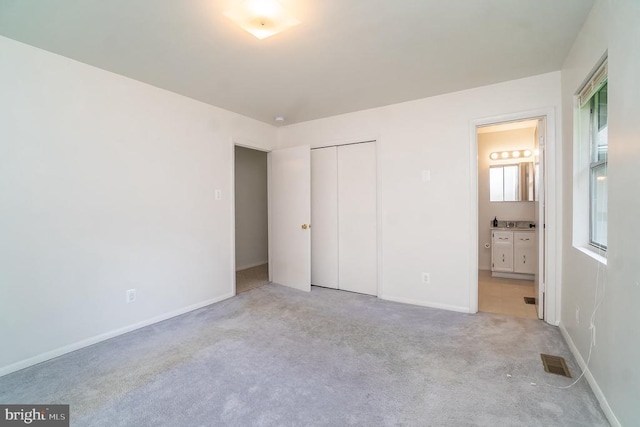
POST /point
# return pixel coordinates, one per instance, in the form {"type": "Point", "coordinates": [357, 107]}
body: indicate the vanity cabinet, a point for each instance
{"type": "Point", "coordinates": [524, 252]}
{"type": "Point", "coordinates": [502, 253]}
{"type": "Point", "coordinates": [513, 253]}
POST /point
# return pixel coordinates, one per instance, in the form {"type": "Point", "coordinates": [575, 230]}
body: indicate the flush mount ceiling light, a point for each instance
{"type": "Point", "coordinates": [261, 18]}
{"type": "Point", "coordinates": [515, 154]}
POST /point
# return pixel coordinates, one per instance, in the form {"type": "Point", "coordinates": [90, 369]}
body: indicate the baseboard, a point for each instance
{"type": "Point", "coordinates": [608, 412]}
{"type": "Point", "coordinates": [255, 264]}
{"type": "Point", "coordinates": [103, 337]}
{"type": "Point", "coordinates": [426, 304]}
{"type": "Point", "coordinates": [519, 276]}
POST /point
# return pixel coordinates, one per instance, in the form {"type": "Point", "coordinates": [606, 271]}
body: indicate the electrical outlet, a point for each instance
{"type": "Point", "coordinates": [426, 278]}
{"type": "Point", "coordinates": [131, 295]}
{"type": "Point", "coordinates": [577, 316]}
{"type": "Point", "coordinates": [218, 194]}
{"type": "Point", "coordinates": [426, 175]}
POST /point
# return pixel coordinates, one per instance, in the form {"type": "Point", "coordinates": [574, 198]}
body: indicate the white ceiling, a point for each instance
{"type": "Point", "coordinates": [346, 55]}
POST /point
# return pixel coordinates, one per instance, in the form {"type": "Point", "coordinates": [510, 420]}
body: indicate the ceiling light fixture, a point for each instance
{"type": "Point", "coordinates": [514, 154]}
{"type": "Point", "coordinates": [279, 119]}
{"type": "Point", "coordinates": [261, 18]}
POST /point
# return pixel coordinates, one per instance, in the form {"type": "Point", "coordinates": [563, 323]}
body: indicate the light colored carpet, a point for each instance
{"type": "Point", "coordinates": [252, 278]}
{"type": "Point", "coordinates": [279, 357]}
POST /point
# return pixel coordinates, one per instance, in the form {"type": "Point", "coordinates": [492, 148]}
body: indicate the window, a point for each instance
{"type": "Point", "coordinates": [598, 169]}
{"type": "Point", "coordinates": [590, 179]}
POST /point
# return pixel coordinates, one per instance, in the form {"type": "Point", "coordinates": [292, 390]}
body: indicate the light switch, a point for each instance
{"type": "Point", "coordinates": [426, 175]}
{"type": "Point", "coordinates": [218, 195]}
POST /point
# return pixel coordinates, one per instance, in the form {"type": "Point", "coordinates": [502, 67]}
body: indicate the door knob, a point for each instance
{"type": "Point", "coordinates": [305, 226]}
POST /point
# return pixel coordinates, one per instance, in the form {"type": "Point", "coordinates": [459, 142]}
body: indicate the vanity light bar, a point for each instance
{"type": "Point", "coordinates": [515, 154]}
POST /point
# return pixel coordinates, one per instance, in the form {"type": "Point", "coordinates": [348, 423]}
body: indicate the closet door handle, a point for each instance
{"type": "Point", "coordinates": [305, 226]}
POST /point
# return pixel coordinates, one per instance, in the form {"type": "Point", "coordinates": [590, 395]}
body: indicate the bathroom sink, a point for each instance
{"type": "Point", "coordinates": [514, 225]}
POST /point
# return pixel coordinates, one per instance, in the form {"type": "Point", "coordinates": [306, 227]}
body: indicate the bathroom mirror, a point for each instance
{"type": "Point", "coordinates": [511, 183]}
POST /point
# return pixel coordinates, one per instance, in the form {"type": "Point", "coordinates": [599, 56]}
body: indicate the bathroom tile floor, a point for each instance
{"type": "Point", "coordinates": [252, 278]}
{"type": "Point", "coordinates": [505, 296]}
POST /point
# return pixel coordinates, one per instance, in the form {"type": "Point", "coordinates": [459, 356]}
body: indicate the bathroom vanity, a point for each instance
{"type": "Point", "coordinates": [513, 252]}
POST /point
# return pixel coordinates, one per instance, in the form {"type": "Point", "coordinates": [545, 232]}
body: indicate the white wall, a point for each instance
{"type": "Point", "coordinates": [516, 139]}
{"type": "Point", "coordinates": [106, 184]}
{"type": "Point", "coordinates": [252, 247]}
{"type": "Point", "coordinates": [614, 370]}
{"type": "Point", "coordinates": [426, 226]}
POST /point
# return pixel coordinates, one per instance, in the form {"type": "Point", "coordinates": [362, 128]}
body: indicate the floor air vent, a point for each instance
{"type": "Point", "coordinates": [529, 300]}
{"type": "Point", "coordinates": [555, 365]}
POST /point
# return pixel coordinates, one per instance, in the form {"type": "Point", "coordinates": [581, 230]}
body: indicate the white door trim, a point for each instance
{"type": "Point", "coordinates": [553, 209]}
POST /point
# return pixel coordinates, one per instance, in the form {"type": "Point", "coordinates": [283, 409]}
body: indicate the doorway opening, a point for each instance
{"type": "Point", "coordinates": [251, 219]}
{"type": "Point", "coordinates": [510, 207]}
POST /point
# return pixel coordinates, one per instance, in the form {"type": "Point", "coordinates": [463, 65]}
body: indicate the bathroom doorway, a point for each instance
{"type": "Point", "coordinates": [510, 184]}
{"type": "Point", "coordinates": [251, 218]}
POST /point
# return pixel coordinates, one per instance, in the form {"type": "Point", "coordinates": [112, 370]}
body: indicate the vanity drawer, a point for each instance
{"type": "Point", "coordinates": [524, 238]}
{"type": "Point", "coordinates": [503, 236]}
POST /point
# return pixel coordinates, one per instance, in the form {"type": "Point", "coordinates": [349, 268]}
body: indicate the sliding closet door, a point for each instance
{"type": "Point", "coordinates": [357, 242]}
{"type": "Point", "coordinates": [324, 217]}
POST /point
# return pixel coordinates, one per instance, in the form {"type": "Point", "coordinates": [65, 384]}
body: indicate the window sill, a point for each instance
{"type": "Point", "coordinates": [589, 251]}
